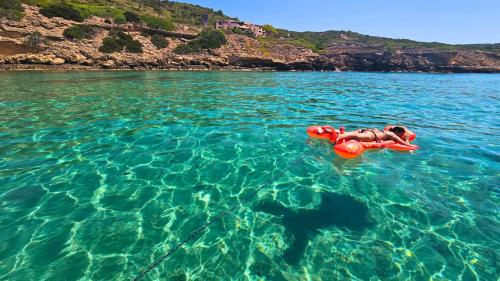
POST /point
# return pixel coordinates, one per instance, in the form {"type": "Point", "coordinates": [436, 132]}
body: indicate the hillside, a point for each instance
{"type": "Point", "coordinates": [143, 34]}
{"type": "Point", "coordinates": [320, 40]}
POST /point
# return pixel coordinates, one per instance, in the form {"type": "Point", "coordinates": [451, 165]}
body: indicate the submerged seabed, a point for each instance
{"type": "Point", "coordinates": [102, 172]}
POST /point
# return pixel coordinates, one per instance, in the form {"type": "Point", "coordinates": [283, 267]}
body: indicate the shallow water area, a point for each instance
{"type": "Point", "coordinates": [103, 172]}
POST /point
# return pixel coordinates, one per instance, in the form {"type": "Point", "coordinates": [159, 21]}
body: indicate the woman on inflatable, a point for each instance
{"type": "Point", "coordinates": [353, 144]}
{"type": "Point", "coordinates": [398, 134]}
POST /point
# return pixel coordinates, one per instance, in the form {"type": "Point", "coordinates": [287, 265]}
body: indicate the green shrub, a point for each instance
{"type": "Point", "coordinates": [63, 11]}
{"type": "Point", "coordinates": [188, 48]}
{"type": "Point", "coordinates": [121, 37]}
{"type": "Point", "coordinates": [133, 46]}
{"type": "Point", "coordinates": [11, 9]}
{"type": "Point", "coordinates": [109, 45]}
{"type": "Point", "coordinates": [270, 30]}
{"type": "Point", "coordinates": [239, 31]}
{"type": "Point", "coordinates": [117, 41]}
{"type": "Point", "coordinates": [87, 10]}
{"type": "Point", "coordinates": [119, 20]}
{"type": "Point", "coordinates": [131, 16]}
{"type": "Point", "coordinates": [11, 4]}
{"type": "Point", "coordinates": [207, 39]}
{"type": "Point", "coordinates": [158, 23]}
{"type": "Point", "coordinates": [211, 39]}
{"type": "Point", "coordinates": [35, 39]}
{"type": "Point", "coordinates": [159, 41]}
{"type": "Point", "coordinates": [79, 32]}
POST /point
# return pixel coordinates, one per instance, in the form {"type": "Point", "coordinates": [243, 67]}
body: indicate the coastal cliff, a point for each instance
{"type": "Point", "coordinates": [35, 41]}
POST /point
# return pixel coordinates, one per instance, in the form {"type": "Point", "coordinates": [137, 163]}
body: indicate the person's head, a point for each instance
{"type": "Point", "coordinates": [398, 130]}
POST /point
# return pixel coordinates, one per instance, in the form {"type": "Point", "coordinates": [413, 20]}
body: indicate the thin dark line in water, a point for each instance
{"type": "Point", "coordinates": [195, 233]}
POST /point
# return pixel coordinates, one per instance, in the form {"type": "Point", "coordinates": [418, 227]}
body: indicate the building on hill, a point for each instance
{"type": "Point", "coordinates": [257, 30]}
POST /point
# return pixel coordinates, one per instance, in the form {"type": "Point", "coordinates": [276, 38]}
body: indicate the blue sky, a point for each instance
{"type": "Point", "coordinates": [449, 21]}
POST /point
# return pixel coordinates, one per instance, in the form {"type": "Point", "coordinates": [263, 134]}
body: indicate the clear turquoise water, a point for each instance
{"type": "Point", "coordinates": [102, 172]}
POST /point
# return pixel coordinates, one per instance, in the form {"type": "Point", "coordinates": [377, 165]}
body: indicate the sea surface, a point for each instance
{"type": "Point", "coordinates": [101, 173]}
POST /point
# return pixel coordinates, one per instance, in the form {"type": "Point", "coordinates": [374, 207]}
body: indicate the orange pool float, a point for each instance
{"type": "Point", "coordinates": [353, 148]}
{"type": "Point", "coordinates": [349, 149]}
{"type": "Point", "coordinates": [322, 132]}
{"type": "Point", "coordinates": [390, 145]}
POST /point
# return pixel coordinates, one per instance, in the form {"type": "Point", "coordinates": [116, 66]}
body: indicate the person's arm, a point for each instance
{"type": "Point", "coordinates": [394, 137]}
{"type": "Point", "coordinates": [406, 136]}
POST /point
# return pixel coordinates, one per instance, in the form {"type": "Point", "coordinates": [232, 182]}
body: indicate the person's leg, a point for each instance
{"type": "Point", "coordinates": [347, 136]}
{"type": "Point", "coordinates": [355, 135]}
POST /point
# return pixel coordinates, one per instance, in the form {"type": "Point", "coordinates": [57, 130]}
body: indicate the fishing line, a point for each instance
{"type": "Point", "coordinates": [195, 233]}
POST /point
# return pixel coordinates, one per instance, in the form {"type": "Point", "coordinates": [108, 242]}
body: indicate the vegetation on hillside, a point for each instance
{"type": "Point", "coordinates": [131, 16]}
{"type": "Point", "coordinates": [270, 30]}
{"type": "Point", "coordinates": [318, 41]}
{"type": "Point", "coordinates": [62, 10]}
{"type": "Point", "coordinates": [158, 23]}
{"type": "Point", "coordinates": [238, 31]}
{"type": "Point", "coordinates": [207, 39]}
{"type": "Point", "coordinates": [119, 40]}
{"type": "Point", "coordinates": [150, 11]}
{"type": "Point", "coordinates": [11, 9]}
{"type": "Point", "coordinates": [79, 32]}
{"type": "Point", "coordinates": [159, 41]}
{"type": "Point", "coordinates": [189, 14]}
{"type": "Point", "coordinates": [164, 14]}
{"type": "Point", "coordinates": [120, 11]}
{"type": "Point", "coordinates": [35, 40]}
{"type": "Point", "coordinates": [495, 47]}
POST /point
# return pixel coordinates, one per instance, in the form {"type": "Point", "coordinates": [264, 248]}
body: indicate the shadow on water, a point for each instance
{"type": "Point", "coordinates": [337, 210]}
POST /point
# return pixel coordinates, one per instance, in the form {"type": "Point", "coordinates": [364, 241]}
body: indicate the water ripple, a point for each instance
{"type": "Point", "coordinates": [102, 172]}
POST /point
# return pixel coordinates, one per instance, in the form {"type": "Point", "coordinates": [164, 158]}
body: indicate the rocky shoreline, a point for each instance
{"type": "Point", "coordinates": [55, 64]}
{"type": "Point", "coordinates": [241, 53]}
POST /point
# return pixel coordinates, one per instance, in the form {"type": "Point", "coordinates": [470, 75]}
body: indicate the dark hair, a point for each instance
{"type": "Point", "coordinates": [398, 130]}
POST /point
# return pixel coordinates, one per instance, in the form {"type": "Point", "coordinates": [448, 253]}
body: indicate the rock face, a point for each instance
{"type": "Point", "coordinates": [241, 52]}
{"type": "Point", "coordinates": [360, 58]}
